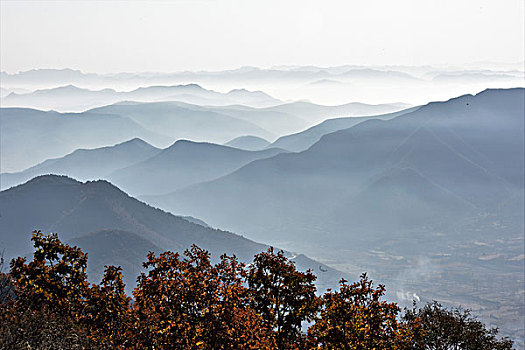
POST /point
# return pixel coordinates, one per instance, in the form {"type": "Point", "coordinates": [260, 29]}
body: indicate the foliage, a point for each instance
{"type": "Point", "coordinates": [108, 311]}
{"type": "Point", "coordinates": [55, 278]}
{"type": "Point", "coordinates": [454, 329]}
{"type": "Point", "coordinates": [40, 329]}
{"type": "Point", "coordinates": [355, 317]}
{"type": "Point", "coordinates": [186, 302]}
{"type": "Point", "coordinates": [283, 296]}
{"type": "Point", "coordinates": [183, 303]}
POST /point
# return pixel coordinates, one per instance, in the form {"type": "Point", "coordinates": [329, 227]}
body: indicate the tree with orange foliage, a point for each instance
{"type": "Point", "coordinates": [189, 303]}
{"type": "Point", "coordinates": [355, 317]}
{"type": "Point", "coordinates": [50, 294]}
{"type": "Point", "coordinates": [55, 278]}
{"type": "Point", "coordinates": [107, 314]}
{"type": "Point", "coordinates": [186, 302]}
{"type": "Point", "coordinates": [283, 296]}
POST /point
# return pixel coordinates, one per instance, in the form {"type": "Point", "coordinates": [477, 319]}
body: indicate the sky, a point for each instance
{"type": "Point", "coordinates": [164, 36]}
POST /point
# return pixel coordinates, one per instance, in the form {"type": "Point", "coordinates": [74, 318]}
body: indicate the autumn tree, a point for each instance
{"type": "Point", "coordinates": [237, 318]}
{"type": "Point", "coordinates": [55, 278]}
{"type": "Point", "coordinates": [454, 329]}
{"type": "Point", "coordinates": [107, 314]}
{"type": "Point", "coordinates": [356, 317]}
{"type": "Point", "coordinates": [50, 292]}
{"type": "Point", "coordinates": [188, 303]}
{"type": "Point", "coordinates": [283, 296]}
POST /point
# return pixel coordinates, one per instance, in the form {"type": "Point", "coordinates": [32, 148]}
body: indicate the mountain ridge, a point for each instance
{"type": "Point", "coordinates": [73, 209]}
{"type": "Point", "coordinates": [86, 164]}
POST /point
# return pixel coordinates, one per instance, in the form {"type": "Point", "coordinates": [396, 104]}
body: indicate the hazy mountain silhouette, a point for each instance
{"type": "Point", "coordinates": [113, 227]}
{"type": "Point", "coordinates": [303, 140]}
{"type": "Point", "coordinates": [71, 98]}
{"type": "Point", "coordinates": [301, 74]}
{"type": "Point", "coordinates": [180, 122]}
{"type": "Point", "coordinates": [326, 83]}
{"type": "Point", "coordinates": [315, 113]}
{"type": "Point", "coordinates": [277, 122]}
{"type": "Point", "coordinates": [86, 164]}
{"type": "Point", "coordinates": [252, 98]}
{"type": "Point", "coordinates": [248, 142]}
{"type": "Point", "coordinates": [479, 77]}
{"type": "Point", "coordinates": [115, 247]}
{"type": "Point", "coordinates": [46, 76]}
{"type": "Point", "coordinates": [30, 136]}
{"type": "Point", "coordinates": [464, 156]}
{"type": "Point", "coordinates": [182, 164]}
{"type": "Point", "coordinates": [292, 117]}
{"type": "Point", "coordinates": [213, 123]}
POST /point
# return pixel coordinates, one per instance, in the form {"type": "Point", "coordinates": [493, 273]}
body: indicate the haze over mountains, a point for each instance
{"type": "Point", "coordinates": [71, 98]}
{"type": "Point", "coordinates": [468, 149]}
{"type": "Point", "coordinates": [30, 136]}
{"type": "Point", "coordinates": [323, 85]}
{"type": "Point", "coordinates": [139, 168]}
{"type": "Point", "coordinates": [434, 191]}
{"type": "Point", "coordinates": [183, 164]}
{"type": "Point", "coordinates": [158, 123]}
{"type": "Point", "coordinates": [86, 164]}
{"type": "Point", "coordinates": [301, 141]}
{"type": "Point", "coordinates": [428, 198]}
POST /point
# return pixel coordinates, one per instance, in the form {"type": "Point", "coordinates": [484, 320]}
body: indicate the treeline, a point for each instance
{"type": "Point", "coordinates": [186, 302]}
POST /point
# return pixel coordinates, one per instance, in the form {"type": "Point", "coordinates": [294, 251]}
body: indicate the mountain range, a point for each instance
{"type": "Point", "coordinates": [414, 196]}
{"type": "Point", "coordinates": [301, 141]}
{"type": "Point", "coordinates": [86, 164]}
{"type": "Point", "coordinates": [29, 136]}
{"type": "Point", "coordinates": [71, 98]}
{"type": "Point", "coordinates": [183, 164]}
{"type": "Point", "coordinates": [443, 161]}
{"type": "Point", "coordinates": [325, 85]}
{"type": "Point", "coordinates": [158, 123]}
{"type": "Point", "coordinates": [139, 168]}
{"type": "Point", "coordinates": [430, 202]}
{"type": "Point", "coordinates": [114, 228]}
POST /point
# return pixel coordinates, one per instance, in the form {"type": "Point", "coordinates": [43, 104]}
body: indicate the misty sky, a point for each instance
{"type": "Point", "coordinates": [101, 36]}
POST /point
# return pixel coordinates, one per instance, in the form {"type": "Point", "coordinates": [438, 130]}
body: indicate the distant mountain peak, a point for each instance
{"type": "Point", "coordinates": [135, 141]}
{"type": "Point", "coordinates": [193, 86]}
{"type": "Point", "coordinates": [50, 179]}
{"type": "Point", "coordinates": [248, 142]}
{"type": "Point", "coordinates": [188, 143]}
{"type": "Point", "coordinates": [239, 90]}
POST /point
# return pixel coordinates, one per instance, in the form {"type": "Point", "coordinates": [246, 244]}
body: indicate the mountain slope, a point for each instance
{"type": "Point", "coordinates": [29, 136]}
{"type": "Point", "coordinates": [248, 143]}
{"type": "Point", "coordinates": [95, 214]}
{"type": "Point", "coordinates": [86, 164]}
{"type": "Point", "coordinates": [471, 147]}
{"type": "Point", "coordinates": [303, 140]}
{"type": "Point", "coordinates": [314, 113]}
{"type": "Point", "coordinates": [183, 164]}
{"type": "Point", "coordinates": [179, 122]}
{"type": "Point", "coordinates": [114, 247]}
{"type": "Point", "coordinates": [277, 122]}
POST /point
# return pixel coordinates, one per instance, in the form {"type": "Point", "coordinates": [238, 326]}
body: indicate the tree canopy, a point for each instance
{"type": "Point", "coordinates": [184, 301]}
